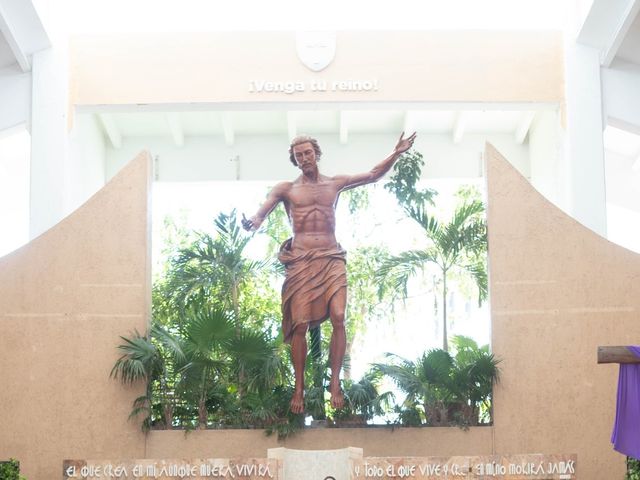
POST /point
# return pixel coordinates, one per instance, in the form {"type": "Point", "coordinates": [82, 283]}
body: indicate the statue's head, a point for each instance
{"type": "Point", "coordinates": [299, 140]}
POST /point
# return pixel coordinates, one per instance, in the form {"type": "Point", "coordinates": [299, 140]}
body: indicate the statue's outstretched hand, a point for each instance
{"type": "Point", "coordinates": [247, 223]}
{"type": "Point", "coordinates": [404, 144]}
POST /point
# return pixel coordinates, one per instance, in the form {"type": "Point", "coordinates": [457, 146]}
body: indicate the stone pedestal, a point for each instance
{"type": "Point", "coordinates": [316, 464]}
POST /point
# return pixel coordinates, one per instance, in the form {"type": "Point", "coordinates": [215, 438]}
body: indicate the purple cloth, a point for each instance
{"type": "Point", "coordinates": [626, 429]}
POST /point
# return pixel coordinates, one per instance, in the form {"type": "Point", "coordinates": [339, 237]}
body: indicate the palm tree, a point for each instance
{"type": "Point", "coordinates": [215, 266]}
{"type": "Point", "coordinates": [221, 353]}
{"type": "Point", "coordinates": [213, 270]}
{"type": "Point", "coordinates": [363, 400]}
{"type": "Point", "coordinates": [210, 345]}
{"type": "Point", "coordinates": [205, 368]}
{"type": "Point", "coordinates": [472, 380]}
{"type": "Point", "coordinates": [448, 388]}
{"type": "Point", "coordinates": [456, 246]}
{"type": "Point", "coordinates": [425, 381]}
{"type": "Point", "coordinates": [151, 358]}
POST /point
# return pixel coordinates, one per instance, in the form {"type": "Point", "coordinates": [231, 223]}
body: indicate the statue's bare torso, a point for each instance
{"type": "Point", "coordinates": [311, 211]}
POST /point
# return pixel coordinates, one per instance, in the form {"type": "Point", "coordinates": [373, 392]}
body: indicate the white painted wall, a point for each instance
{"type": "Point", "coordinates": [621, 92]}
{"type": "Point", "coordinates": [623, 182]}
{"type": "Point", "coordinates": [548, 166]}
{"type": "Point", "coordinates": [15, 97]}
{"type": "Point", "coordinates": [87, 158]}
{"type": "Point", "coordinates": [624, 226]}
{"type": "Point", "coordinates": [14, 189]}
{"type": "Point", "coordinates": [584, 144]}
{"type": "Point", "coordinates": [49, 141]}
{"type": "Point", "coordinates": [265, 157]}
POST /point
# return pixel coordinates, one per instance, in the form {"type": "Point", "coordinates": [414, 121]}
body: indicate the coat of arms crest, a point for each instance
{"type": "Point", "coordinates": [316, 49]}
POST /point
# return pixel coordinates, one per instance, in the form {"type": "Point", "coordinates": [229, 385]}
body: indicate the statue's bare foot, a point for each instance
{"type": "Point", "coordinates": [337, 398]}
{"type": "Point", "coordinates": [297, 402]}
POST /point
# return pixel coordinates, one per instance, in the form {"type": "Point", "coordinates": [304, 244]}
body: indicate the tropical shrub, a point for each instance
{"type": "Point", "coordinates": [10, 470]}
{"type": "Point", "coordinates": [444, 389]}
{"type": "Point", "coordinates": [362, 400]}
{"type": "Point", "coordinates": [633, 469]}
{"type": "Point", "coordinates": [213, 357]}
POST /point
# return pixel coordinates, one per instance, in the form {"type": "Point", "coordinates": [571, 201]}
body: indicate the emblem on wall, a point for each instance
{"type": "Point", "coordinates": [316, 50]}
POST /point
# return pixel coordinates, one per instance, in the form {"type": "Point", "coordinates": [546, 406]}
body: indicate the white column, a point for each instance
{"type": "Point", "coordinates": [15, 97]}
{"type": "Point", "coordinates": [49, 135]}
{"type": "Point", "coordinates": [584, 144]}
{"type": "Point", "coordinates": [548, 166]}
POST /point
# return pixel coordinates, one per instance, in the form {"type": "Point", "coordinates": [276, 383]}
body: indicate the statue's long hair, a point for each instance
{"type": "Point", "coordinates": [304, 139]}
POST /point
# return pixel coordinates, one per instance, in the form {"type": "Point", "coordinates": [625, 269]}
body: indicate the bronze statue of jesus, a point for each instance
{"type": "Point", "coordinates": [315, 286]}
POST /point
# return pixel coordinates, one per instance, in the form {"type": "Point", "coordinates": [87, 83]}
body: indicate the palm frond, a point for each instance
{"type": "Point", "coordinates": [403, 376]}
{"type": "Point", "coordinates": [394, 271]}
{"type": "Point", "coordinates": [434, 367]}
{"type": "Point", "coordinates": [141, 405]}
{"type": "Point", "coordinates": [429, 223]}
{"type": "Point", "coordinates": [466, 232]}
{"type": "Point", "coordinates": [138, 359]}
{"type": "Point", "coordinates": [478, 271]}
{"type": "Point", "coordinates": [170, 342]}
{"type": "Point", "coordinates": [208, 329]}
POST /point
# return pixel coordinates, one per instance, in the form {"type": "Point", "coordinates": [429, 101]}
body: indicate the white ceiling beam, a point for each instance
{"type": "Point", "coordinates": [22, 29]}
{"type": "Point", "coordinates": [292, 125]}
{"type": "Point", "coordinates": [523, 126]}
{"type": "Point", "coordinates": [610, 50]}
{"type": "Point", "coordinates": [111, 129]}
{"type": "Point", "coordinates": [344, 128]}
{"type": "Point", "coordinates": [606, 25]}
{"type": "Point", "coordinates": [10, 37]}
{"type": "Point", "coordinates": [459, 126]}
{"type": "Point", "coordinates": [227, 127]}
{"type": "Point", "coordinates": [175, 127]}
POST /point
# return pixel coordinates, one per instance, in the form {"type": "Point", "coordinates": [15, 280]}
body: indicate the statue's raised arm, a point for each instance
{"type": "Point", "coordinates": [275, 196]}
{"type": "Point", "coordinates": [377, 172]}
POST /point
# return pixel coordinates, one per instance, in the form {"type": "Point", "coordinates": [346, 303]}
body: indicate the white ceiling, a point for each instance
{"type": "Point", "coordinates": [228, 124]}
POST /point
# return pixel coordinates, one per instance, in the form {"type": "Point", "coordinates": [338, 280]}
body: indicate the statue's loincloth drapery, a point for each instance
{"type": "Point", "coordinates": [312, 278]}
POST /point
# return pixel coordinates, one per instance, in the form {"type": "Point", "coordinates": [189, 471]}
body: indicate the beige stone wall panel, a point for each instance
{"type": "Point", "coordinates": [65, 298]}
{"type": "Point", "coordinates": [424, 66]}
{"type": "Point", "coordinates": [379, 442]}
{"type": "Point", "coordinates": [558, 290]}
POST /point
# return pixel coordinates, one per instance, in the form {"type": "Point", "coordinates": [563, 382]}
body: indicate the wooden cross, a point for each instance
{"type": "Point", "coordinates": [616, 355]}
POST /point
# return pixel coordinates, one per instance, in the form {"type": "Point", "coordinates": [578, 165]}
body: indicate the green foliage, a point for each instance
{"type": "Point", "coordinates": [403, 182]}
{"type": "Point", "coordinates": [214, 355]}
{"type": "Point", "coordinates": [277, 228]}
{"type": "Point", "coordinates": [633, 469]}
{"type": "Point", "coordinates": [214, 267]}
{"type": "Point", "coordinates": [10, 470]}
{"type": "Point", "coordinates": [444, 389]}
{"type": "Point", "coordinates": [456, 247]}
{"type": "Point", "coordinates": [364, 304]}
{"type": "Point", "coordinates": [357, 199]}
{"type": "Point", "coordinates": [363, 400]}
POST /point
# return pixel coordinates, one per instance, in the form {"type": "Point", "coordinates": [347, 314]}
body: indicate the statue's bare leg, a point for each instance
{"type": "Point", "coordinates": [298, 356]}
{"type": "Point", "coordinates": [338, 345]}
